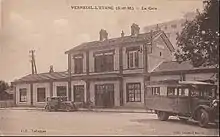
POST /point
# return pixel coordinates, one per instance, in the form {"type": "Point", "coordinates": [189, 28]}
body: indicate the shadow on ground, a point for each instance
{"type": "Point", "coordinates": [173, 121]}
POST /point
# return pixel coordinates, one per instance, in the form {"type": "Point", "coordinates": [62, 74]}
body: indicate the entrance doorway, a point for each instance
{"type": "Point", "coordinates": [104, 95]}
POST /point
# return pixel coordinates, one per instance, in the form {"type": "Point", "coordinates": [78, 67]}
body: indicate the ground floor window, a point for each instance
{"type": "Point", "coordinates": [61, 91]}
{"type": "Point", "coordinates": [41, 94]}
{"type": "Point", "coordinates": [23, 94]}
{"type": "Point", "coordinates": [78, 93]}
{"type": "Point", "coordinates": [133, 92]}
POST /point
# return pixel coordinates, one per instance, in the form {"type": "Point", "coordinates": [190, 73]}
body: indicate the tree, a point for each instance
{"type": "Point", "coordinates": [199, 39]}
{"type": "Point", "coordinates": [3, 86]}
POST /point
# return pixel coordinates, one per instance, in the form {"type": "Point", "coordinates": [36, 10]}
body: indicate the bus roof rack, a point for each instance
{"type": "Point", "coordinates": [180, 82]}
{"type": "Point", "coordinates": [195, 83]}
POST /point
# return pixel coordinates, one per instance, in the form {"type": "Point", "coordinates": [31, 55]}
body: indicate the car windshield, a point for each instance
{"type": "Point", "coordinates": [203, 91]}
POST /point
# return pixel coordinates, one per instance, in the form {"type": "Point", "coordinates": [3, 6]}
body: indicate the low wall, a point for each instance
{"type": "Point", "coordinates": [6, 103]}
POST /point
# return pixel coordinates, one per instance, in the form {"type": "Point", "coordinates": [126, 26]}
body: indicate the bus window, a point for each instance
{"type": "Point", "coordinates": [163, 91]}
{"type": "Point", "coordinates": [207, 92]}
{"type": "Point", "coordinates": [155, 90]}
{"type": "Point", "coordinates": [171, 91]}
{"type": "Point", "coordinates": [195, 92]}
{"type": "Point", "coordinates": [183, 92]}
{"type": "Point", "coordinates": [176, 91]}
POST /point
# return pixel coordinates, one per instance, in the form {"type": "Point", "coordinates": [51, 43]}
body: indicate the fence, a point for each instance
{"type": "Point", "coordinates": [7, 103]}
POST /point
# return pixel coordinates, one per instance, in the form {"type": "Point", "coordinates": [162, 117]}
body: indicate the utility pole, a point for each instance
{"type": "Point", "coordinates": [33, 64]}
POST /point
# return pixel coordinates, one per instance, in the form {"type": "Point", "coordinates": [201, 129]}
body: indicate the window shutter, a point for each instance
{"type": "Point", "coordinates": [136, 59]}
{"type": "Point", "coordinates": [149, 48]}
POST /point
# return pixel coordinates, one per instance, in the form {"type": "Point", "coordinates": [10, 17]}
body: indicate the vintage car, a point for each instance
{"type": "Point", "coordinates": [60, 104]}
{"type": "Point", "coordinates": [87, 105]}
{"type": "Point", "coordinates": [185, 99]}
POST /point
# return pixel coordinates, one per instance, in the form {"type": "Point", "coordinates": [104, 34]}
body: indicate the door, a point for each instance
{"type": "Point", "coordinates": [109, 95]}
{"type": "Point", "coordinates": [104, 95]}
{"type": "Point", "coordinates": [172, 95]}
{"type": "Point", "coordinates": [78, 93]}
{"type": "Point", "coordinates": [99, 95]}
{"type": "Point", "coordinates": [183, 100]}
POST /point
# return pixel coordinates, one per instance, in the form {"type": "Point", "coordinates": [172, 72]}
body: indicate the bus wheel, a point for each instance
{"type": "Point", "coordinates": [203, 118]}
{"type": "Point", "coordinates": [163, 116]}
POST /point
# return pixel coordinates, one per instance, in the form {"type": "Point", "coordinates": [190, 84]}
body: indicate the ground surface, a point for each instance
{"type": "Point", "coordinates": [38, 122]}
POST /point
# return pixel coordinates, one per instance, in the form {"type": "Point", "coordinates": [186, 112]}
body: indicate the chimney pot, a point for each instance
{"type": "Point", "coordinates": [51, 69]}
{"type": "Point", "coordinates": [122, 34]}
{"type": "Point", "coordinates": [103, 35]}
{"type": "Point", "coordinates": [157, 27]}
{"type": "Point", "coordinates": [135, 29]}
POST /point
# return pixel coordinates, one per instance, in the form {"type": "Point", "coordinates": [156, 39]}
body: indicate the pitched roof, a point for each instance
{"type": "Point", "coordinates": [116, 41]}
{"type": "Point", "coordinates": [43, 76]}
{"type": "Point", "coordinates": [175, 66]}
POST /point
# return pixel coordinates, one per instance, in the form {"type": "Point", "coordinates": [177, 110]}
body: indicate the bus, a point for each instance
{"type": "Point", "coordinates": [185, 99]}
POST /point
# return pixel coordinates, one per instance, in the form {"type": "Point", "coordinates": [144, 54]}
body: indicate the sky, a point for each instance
{"type": "Point", "coordinates": [51, 27]}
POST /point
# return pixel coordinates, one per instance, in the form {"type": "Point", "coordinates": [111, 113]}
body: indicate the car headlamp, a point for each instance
{"type": "Point", "coordinates": [215, 104]}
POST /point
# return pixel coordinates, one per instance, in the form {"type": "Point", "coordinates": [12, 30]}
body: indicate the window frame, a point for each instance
{"type": "Point", "coordinates": [133, 91]}
{"type": "Point", "coordinates": [44, 100]}
{"type": "Point", "coordinates": [104, 61]}
{"type": "Point", "coordinates": [78, 63]}
{"type": "Point", "coordinates": [58, 90]}
{"type": "Point", "coordinates": [133, 59]}
{"type": "Point", "coordinates": [20, 95]}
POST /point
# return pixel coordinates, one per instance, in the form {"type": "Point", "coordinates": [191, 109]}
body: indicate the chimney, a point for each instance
{"type": "Point", "coordinates": [103, 35]}
{"type": "Point", "coordinates": [135, 29]}
{"type": "Point", "coordinates": [157, 27]}
{"type": "Point", "coordinates": [51, 69]}
{"type": "Point", "coordinates": [122, 33]}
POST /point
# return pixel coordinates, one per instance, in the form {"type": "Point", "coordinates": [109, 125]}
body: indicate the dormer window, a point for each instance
{"type": "Point", "coordinates": [104, 61]}
{"type": "Point", "coordinates": [133, 57]}
{"type": "Point", "coordinates": [78, 64]}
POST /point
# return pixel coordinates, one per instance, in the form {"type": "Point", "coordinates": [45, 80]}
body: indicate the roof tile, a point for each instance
{"type": "Point", "coordinates": [175, 66]}
{"type": "Point", "coordinates": [42, 76]}
{"type": "Point", "coordinates": [116, 41]}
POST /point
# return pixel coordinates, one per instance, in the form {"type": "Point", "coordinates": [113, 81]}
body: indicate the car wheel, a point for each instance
{"type": "Point", "coordinates": [47, 108]}
{"type": "Point", "coordinates": [68, 109]}
{"type": "Point", "coordinates": [163, 116]}
{"type": "Point", "coordinates": [203, 118]}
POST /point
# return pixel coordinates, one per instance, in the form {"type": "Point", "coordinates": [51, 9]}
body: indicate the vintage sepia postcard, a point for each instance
{"type": "Point", "coordinates": [109, 67]}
